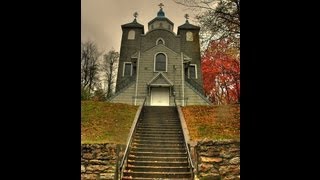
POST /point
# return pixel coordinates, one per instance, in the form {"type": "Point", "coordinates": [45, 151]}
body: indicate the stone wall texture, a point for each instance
{"type": "Point", "coordinates": [214, 160]}
{"type": "Point", "coordinates": [99, 161]}
{"type": "Point", "coordinates": [218, 159]}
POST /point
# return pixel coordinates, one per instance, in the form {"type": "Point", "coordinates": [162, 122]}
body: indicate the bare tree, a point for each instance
{"type": "Point", "coordinates": [109, 66]}
{"type": "Point", "coordinates": [218, 19]}
{"type": "Point", "coordinates": [89, 66]}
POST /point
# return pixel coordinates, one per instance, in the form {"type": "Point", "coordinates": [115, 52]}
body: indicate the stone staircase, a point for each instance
{"type": "Point", "coordinates": [158, 149]}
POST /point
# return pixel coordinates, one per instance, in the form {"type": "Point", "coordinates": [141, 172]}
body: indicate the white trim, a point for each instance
{"type": "Point", "coordinates": [196, 72]}
{"type": "Point", "coordinates": [124, 67]}
{"type": "Point", "coordinates": [154, 61]}
{"type": "Point", "coordinates": [156, 77]}
{"type": "Point", "coordinates": [162, 46]}
{"type": "Point", "coordinates": [137, 79]}
{"type": "Point", "coordinates": [157, 41]}
{"type": "Point", "coordinates": [182, 75]}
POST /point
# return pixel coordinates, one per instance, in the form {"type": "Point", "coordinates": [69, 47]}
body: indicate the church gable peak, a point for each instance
{"type": "Point", "coordinates": [160, 79]}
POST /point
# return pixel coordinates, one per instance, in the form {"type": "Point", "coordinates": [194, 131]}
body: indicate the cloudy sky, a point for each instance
{"type": "Point", "coordinates": [101, 20]}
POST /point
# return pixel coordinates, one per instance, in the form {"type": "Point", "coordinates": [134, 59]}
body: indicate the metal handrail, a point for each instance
{"type": "Point", "coordinates": [198, 89]}
{"type": "Point", "coordinates": [129, 140]}
{"type": "Point", "coordinates": [195, 85]}
{"type": "Point", "coordinates": [122, 86]}
{"type": "Point", "coordinates": [124, 83]}
{"type": "Point", "coordinates": [186, 144]}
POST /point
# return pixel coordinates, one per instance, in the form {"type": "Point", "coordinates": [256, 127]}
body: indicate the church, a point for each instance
{"type": "Point", "coordinates": [159, 66]}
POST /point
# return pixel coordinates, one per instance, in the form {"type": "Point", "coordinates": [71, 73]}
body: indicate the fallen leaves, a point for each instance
{"type": "Point", "coordinates": [213, 122]}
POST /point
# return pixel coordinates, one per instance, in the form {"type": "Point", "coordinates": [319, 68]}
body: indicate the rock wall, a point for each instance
{"type": "Point", "coordinates": [99, 161]}
{"type": "Point", "coordinates": [217, 159]}
{"type": "Point", "coordinates": [213, 160]}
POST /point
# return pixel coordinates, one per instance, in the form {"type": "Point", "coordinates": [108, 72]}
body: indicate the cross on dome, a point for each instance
{"type": "Point", "coordinates": [160, 5]}
{"type": "Point", "coordinates": [135, 15]}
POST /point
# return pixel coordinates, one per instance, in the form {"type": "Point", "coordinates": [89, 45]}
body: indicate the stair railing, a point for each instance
{"type": "Point", "coordinates": [129, 140]}
{"type": "Point", "coordinates": [195, 85]}
{"type": "Point", "coordinates": [186, 144]}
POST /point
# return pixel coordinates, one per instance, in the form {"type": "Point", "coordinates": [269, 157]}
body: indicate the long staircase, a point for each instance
{"type": "Point", "coordinates": [158, 149]}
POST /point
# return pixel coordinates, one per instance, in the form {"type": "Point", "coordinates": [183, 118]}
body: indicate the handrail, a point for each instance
{"type": "Point", "coordinates": [185, 141]}
{"type": "Point", "coordinates": [129, 140]}
{"type": "Point", "coordinates": [124, 83]}
{"type": "Point", "coordinates": [197, 91]}
{"type": "Point", "coordinates": [122, 86]}
{"type": "Point", "coordinates": [195, 85]}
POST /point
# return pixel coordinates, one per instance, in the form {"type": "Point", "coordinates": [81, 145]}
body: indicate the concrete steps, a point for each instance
{"type": "Point", "coordinates": [158, 149]}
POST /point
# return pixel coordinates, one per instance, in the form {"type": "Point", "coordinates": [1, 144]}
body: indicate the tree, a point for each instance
{"type": "Point", "coordinates": [110, 65]}
{"type": "Point", "coordinates": [89, 68]}
{"type": "Point", "coordinates": [218, 19]}
{"type": "Point", "coordinates": [221, 72]}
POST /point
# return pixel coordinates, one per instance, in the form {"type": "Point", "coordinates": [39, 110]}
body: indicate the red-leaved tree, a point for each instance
{"type": "Point", "coordinates": [221, 72]}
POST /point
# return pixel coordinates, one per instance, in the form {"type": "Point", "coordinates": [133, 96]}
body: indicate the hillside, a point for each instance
{"type": "Point", "coordinates": [111, 122]}
{"type": "Point", "coordinates": [213, 122]}
{"type": "Point", "coordinates": [106, 122]}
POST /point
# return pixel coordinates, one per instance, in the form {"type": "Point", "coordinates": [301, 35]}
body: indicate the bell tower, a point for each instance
{"type": "Point", "coordinates": [130, 44]}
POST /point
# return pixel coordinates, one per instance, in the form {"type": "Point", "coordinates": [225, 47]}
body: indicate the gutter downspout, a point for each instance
{"type": "Point", "coordinates": [136, 93]}
{"type": "Point", "coordinates": [182, 83]}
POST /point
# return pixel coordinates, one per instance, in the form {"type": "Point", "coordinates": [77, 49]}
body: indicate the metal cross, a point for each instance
{"type": "Point", "coordinates": [135, 15]}
{"type": "Point", "coordinates": [186, 16]}
{"type": "Point", "coordinates": [160, 5]}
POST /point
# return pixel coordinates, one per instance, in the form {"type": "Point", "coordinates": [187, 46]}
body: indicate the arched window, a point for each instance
{"type": "Point", "coordinates": [131, 34]}
{"type": "Point", "coordinates": [160, 62]}
{"type": "Point", "coordinates": [189, 36]}
{"type": "Point", "coordinates": [160, 41]}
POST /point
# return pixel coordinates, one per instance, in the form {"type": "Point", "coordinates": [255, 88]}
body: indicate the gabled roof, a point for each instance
{"type": "Point", "coordinates": [188, 26]}
{"type": "Point", "coordinates": [133, 24]}
{"type": "Point", "coordinates": [161, 45]}
{"type": "Point", "coordinates": [160, 19]}
{"type": "Point", "coordinates": [160, 79]}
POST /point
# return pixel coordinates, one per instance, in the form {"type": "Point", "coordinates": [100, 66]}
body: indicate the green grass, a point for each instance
{"type": "Point", "coordinates": [103, 122]}
{"type": "Point", "coordinates": [213, 122]}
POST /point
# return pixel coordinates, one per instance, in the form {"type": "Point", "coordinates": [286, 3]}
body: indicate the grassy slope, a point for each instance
{"type": "Point", "coordinates": [213, 122]}
{"type": "Point", "coordinates": [106, 122]}
{"type": "Point", "coordinates": [111, 122]}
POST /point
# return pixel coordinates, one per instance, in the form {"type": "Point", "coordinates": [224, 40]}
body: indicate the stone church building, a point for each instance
{"type": "Point", "coordinates": [159, 65]}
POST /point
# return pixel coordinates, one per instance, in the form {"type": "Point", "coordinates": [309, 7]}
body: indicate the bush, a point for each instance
{"type": "Point", "coordinates": [85, 94]}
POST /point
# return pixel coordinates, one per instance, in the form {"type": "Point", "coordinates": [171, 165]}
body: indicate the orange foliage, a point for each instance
{"type": "Point", "coordinates": [221, 73]}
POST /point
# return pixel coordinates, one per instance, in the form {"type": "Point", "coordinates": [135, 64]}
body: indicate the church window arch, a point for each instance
{"type": "Point", "coordinates": [160, 62]}
{"type": "Point", "coordinates": [131, 34]}
{"type": "Point", "coordinates": [160, 41]}
{"type": "Point", "coordinates": [189, 36]}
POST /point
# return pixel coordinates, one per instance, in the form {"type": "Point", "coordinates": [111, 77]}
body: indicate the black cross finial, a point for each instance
{"type": "Point", "coordinates": [135, 15]}
{"type": "Point", "coordinates": [160, 5]}
{"type": "Point", "coordinates": [186, 16]}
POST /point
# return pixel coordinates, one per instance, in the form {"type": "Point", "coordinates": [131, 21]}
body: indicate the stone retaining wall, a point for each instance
{"type": "Point", "coordinates": [99, 161]}
{"type": "Point", "coordinates": [214, 160]}
{"type": "Point", "coordinates": [217, 159]}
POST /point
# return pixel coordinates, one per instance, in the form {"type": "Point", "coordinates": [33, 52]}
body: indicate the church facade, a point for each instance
{"type": "Point", "coordinates": [159, 65]}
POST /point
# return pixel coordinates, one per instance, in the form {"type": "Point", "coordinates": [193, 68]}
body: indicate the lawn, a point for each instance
{"type": "Point", "coordinates": [103, 122]}
{"type": "Point", "coordinates": [213, 122]}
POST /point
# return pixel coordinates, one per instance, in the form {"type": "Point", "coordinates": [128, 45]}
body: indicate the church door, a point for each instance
{"type": "Point", "coordinates": [159, 97]}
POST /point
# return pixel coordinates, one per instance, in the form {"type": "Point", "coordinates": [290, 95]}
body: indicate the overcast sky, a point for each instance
{"type": "Point", "coordinates": [101, 20]}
